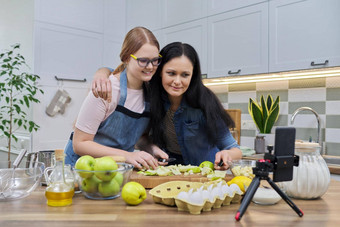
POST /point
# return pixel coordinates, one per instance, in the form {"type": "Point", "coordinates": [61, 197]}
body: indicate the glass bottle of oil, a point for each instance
{"type": "Point", "coordinates": [58, 192]}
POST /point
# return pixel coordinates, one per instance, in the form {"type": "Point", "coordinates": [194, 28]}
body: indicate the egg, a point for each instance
{"type": "Point", "coordinates": [196, 198]}
{"type": "Point", "coordinates": [190, 192]}
{"type": "Point", "coordinates": [206, 195]}
{"type": "Point", "coordinates": [236, 188]}
{"type": "Point", "coordinates": [226, 190]}
{"type": "Point", "coordinates": [210, 187]}
{"type": "Point", "coordinates": [216, 192]}
{"type": "Point", "coordinates": [183, 196]}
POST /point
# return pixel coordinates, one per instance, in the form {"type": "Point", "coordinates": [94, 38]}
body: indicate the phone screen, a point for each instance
{"type": "Point", "coordinates": [284, 153]}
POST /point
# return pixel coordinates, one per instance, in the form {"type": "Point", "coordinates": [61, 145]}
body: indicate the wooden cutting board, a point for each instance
{"type": "Point", "coordinates": [153, 181]}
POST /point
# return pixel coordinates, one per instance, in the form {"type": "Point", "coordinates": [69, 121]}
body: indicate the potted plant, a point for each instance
{"type": "Point", "coordinates": [264, 113]}
{"type": "Point", "coordinates": [18, 90]}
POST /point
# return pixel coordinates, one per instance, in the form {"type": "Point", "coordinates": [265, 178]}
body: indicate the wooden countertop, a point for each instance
{"type": "Point", "coordinates": [33, 211]}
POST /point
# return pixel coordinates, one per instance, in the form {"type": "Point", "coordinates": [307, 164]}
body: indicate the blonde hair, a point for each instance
{"type": "Point", "coordinates": [133, 41]}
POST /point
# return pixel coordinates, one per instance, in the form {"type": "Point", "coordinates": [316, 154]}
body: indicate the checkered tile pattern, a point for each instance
{"type": "Point", "coordinates": [321, 94]}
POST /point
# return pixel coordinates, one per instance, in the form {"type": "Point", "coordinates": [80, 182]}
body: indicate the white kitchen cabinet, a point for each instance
{"type": "Point", "coordinates": [193, 33]}
{"type": "Point", "coordinates": [66, 53]}
{"type": "Point", "coordinates": [303, 34]}
{"type": "Point", "coordinates": [146, 13]}
{"type": "Point", "coordinates": [238, 42]}
{"type": "Point", "coordinates": [72, 39]}
{"type": "Point", "coordinates": [220, 6]}
{"type": "Point", "coordinates": [179, 11]}
{"type": "Point", "coordinates": [80, 14]}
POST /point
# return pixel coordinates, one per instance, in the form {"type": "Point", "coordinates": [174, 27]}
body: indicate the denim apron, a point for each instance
{"type": "Point", "coordinates": [121, 129]}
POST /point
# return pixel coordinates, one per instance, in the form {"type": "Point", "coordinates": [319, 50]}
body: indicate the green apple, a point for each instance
{"type": "Point", "coordinates": [207, 164]}
{"type": "Point", "coordinates": [119, 178]}
{"type": "Point", "coordinates": [85, 163]}
{"type": "Point", "coordinates": [133, 193]}
{"type": "Point", "coordinates": [109, 188]}
{"type": "Point", "coordinates": [90, 185]}
{"type": "Point", "coordinates": [105, 165]}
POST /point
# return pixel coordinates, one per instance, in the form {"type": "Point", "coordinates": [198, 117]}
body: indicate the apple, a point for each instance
{"type": "Point", "coordinates": [85, 163]}
{"type": "Point", "coordinates": [105, 165]}
{"type": "Point", "coordinates": [119, 178]}
{"type": "Point", "coordinates": [90, 185]}
{"type": "Point", "coordinates": [207, 164]}
{"type": "Point", "coordinates": [133, 193]}
{"type": "Point", "coordinates": [109, 188]}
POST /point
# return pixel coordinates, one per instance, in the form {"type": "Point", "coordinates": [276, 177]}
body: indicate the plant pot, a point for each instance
{"type": "Point", "coordinates": [262, 140]}
{"type": "Point", "coordinates": [259, 144]}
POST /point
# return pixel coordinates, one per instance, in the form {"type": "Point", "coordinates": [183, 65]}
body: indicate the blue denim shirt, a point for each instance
{"type": "Point", "coordinates": [190, 126]}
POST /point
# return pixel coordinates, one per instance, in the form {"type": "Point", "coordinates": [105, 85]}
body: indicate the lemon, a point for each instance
{"type": "Point", "coordinates": [241, 181]}
{"type": "Point", "coordinates": [207, 164]}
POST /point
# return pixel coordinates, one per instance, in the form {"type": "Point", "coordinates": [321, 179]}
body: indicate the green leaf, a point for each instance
{"type": "Point", "coordinates": [269, 102]}
{"type": "Point", "coordinates": [7, 59]}
{"type": "Point", "coordinates": [249, 106]}
{"type": "Point", "coordinates": [272, 118]}
{"type": "Point", "coordinates": [26, 101]}
{"type": "Point", "coordinates": [277, 101]}
{"type": "Point", "coordinates": [257, 116]}
{"type": "Point", "coordinates": [264, 108]}
{"type": "Point", "coordinates": [17, 108]}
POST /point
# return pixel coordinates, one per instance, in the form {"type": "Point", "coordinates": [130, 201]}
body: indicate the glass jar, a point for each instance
{"type": "Point", "coordinates": [312, 177]}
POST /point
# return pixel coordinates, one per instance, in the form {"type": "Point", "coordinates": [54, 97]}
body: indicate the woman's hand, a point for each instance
{"type": "Point", "coordinates": [225, 156]}
{"type": "Point", "coordinates": [101, 85]}
{"type": "Point", "coordinates": [141, 159]}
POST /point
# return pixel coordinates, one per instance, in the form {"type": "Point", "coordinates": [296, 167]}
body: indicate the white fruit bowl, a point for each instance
{"type": "Point", "coordinates": [19, 182]}
{"type": "Point", "coordinates": [94, 188]}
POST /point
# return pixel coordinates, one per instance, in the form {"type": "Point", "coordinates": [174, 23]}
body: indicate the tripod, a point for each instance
{"type": "Point", "coordinates": [261, 171]}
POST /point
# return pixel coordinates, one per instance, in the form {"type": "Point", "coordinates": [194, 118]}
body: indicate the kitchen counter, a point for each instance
{"type": "Point", "coordinates": [33, 211]}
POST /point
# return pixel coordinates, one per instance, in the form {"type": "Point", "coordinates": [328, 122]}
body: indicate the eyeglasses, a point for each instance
{"type": "Point", "coordinates": [143, 62]}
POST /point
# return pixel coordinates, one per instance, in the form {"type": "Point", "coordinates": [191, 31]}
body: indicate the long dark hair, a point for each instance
{"type": "Point", "coordinates": [197, 96]}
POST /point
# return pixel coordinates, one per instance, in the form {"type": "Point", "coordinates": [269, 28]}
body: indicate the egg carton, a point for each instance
{"type": "Point", "coordinates": [206, 198]}
{"type": "Point", "coordinates": [195, 197]}
{"type": "Point", "coordinates": [165, 193]}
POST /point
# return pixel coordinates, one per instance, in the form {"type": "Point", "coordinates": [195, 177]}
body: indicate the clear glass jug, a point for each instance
{"type": "Point", "coordinates": [59, 192]}
{"type": "Point", "coordinates": [50, 172]}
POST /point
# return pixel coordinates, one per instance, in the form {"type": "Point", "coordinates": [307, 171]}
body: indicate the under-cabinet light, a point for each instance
{"type": "Point", "coordinates": [273, 77]}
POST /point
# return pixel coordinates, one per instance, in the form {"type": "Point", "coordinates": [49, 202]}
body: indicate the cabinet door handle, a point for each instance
{"type": "Point", "coordinates": [317, 64]}
{"type": "Point", "coordinates": [237, 72]}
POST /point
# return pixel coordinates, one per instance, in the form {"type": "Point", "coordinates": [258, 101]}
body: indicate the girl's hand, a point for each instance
{"type": "Point", "coordinates": [159, 154]}
{"type": "Point", "coordinates": [141, 159]}
{"type": "Point", "coordinates": [101, 85]}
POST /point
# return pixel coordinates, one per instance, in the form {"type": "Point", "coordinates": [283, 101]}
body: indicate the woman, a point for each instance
{"type": "Point", "coordinates": [187, 119]}
{"type": "Point", "coordinates": [192, 125]}
{"type": "Point", "coordinates": [113, 128]}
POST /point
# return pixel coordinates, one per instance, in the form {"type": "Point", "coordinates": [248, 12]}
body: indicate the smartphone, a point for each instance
{"type": "Point", "coordinates": [284, 153]}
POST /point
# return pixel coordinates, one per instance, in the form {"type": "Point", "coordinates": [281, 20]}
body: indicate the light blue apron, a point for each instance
{"type": "Point", "coordinates": [121, 129]}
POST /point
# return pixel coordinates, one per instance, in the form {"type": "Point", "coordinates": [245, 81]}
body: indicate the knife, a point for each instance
{"type": "Point", "coordinates": [166, 160]}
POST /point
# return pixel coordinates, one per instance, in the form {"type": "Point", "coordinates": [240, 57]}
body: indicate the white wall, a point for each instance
{"type": "Point", "coordinates": [16, 26]}
{"type": "Point", "coordinates": [72, 40]}
{"type": "Point", "coordinates": [68, 39]}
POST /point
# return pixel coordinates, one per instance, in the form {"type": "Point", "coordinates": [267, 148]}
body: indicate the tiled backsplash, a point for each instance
{"type": "Point", "coordinates": [321, 94]}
